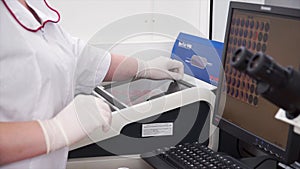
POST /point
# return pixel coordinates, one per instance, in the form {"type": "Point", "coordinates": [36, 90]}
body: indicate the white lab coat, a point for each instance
{"type": "Point", "coordinates": [41, 69]}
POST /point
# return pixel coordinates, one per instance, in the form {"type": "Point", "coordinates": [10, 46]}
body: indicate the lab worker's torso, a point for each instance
{"type": "Point", "coordinates": [37, 72]}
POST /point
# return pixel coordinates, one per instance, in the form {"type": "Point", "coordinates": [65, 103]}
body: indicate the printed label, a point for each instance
{"type": "Point", "coordinates": [157, 129]}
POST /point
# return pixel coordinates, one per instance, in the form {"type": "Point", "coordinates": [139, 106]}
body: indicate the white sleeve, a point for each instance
{"type": "Point", "coordinates": [92, 64]}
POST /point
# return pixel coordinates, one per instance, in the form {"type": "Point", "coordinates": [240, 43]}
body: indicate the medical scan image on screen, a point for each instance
{"type": "Point", "coordinates": [276, 36]}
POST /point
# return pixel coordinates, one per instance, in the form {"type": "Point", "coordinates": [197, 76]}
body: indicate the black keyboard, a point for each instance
{"type": "Point", "coordinates": [190, 156]}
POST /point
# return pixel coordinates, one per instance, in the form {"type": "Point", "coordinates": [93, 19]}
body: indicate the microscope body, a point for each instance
{"type": "Point", "coordinates": [278, 84]}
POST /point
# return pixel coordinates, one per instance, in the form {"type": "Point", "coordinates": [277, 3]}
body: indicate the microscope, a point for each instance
{"type": "Point", "coordinates": [280, 85]}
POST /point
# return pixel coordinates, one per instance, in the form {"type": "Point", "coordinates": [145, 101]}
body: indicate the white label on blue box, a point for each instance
{"type": "Point", "coordinates": [157, 129]}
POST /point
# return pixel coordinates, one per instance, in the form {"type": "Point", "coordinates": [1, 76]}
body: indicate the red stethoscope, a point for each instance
{"type": "Point", "coordinates": [30, 29]}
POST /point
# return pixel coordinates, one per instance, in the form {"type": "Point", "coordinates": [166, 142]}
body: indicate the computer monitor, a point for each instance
{"type": "Point", "coordinates": [239, 110]}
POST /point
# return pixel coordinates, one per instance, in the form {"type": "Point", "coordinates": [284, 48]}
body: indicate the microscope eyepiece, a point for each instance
{"type": "Point", "coordinates": [263, 68]}
{"type": "Point", "coordinates": [240, 59]}
{"type": "Point", "coordinates": [278, 84]}
{"type": "Point", "coordinates": [255, 62]}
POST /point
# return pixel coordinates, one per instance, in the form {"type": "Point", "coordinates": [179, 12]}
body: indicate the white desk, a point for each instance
{"type": "Point", "coordinates": [109, 162]}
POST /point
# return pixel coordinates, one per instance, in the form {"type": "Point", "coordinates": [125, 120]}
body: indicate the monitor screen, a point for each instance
{"type": "Point", "coordinates": [239, 109]}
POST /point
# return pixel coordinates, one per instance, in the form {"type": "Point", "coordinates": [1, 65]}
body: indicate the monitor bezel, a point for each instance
{"type": "Point", "coordinates": [292, 149]}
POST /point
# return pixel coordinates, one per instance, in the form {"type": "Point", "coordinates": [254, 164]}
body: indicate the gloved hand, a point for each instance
{"type": "Point", "coordinates": [83, 115]}
{"type": "Point", "coordinates": [160, 68]}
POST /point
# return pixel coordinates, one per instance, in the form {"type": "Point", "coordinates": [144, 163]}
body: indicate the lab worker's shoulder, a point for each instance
{"type": "Point", "coordinates": [59, 32]}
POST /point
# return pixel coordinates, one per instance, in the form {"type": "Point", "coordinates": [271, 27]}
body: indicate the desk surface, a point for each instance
{"type": "Point", "coordinates": [109, 162]}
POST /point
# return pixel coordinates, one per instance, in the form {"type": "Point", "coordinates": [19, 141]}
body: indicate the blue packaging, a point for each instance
{"type": "Point", "coordinates": [201, 57]}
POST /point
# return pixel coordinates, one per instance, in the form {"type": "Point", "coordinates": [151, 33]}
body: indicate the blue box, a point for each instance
{"type": "Point", "coordinates": [201, 57]}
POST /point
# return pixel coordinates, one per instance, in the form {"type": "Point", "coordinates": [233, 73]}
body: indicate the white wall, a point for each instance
{"type": "Point", "coordinates": [220, 16]}
{"type": "Point", "coordinates": [285, 3]}
{"type": "Point", "coordinates": [83, 18]}
{"type": "Point", "coordinates": [113, 24]}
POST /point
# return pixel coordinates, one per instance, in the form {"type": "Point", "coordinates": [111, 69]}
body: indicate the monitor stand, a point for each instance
{"type": "Point", "coordinates": [246, 153]}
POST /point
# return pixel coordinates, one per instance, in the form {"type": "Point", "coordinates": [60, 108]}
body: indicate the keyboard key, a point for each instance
{"type": "Point", "coordinates": [192, 156]}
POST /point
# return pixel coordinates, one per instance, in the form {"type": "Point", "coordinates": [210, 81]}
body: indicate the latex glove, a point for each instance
{"type": "Point", "coordinates": [83, 115]}
{"type": "Point", "coordinates": [160, 68]}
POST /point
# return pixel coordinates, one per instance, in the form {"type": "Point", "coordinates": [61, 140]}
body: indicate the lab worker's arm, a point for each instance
{"type": "Point", "coordinates": [121, 68]}
{"type": "Point", "coordinates": [22, 140]}
{"type": "Point", "coordinates": [124, 68]}
{"type": "Point", "coordinates": [93, 59]}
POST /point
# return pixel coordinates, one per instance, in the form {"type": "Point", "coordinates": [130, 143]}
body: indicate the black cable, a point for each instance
{"type": "Point", "coordinates": [264, 160]}
{"type": "Point", "coordinates": [238, 148]}
{"type": "Point", "coordinates": [211, 7]}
